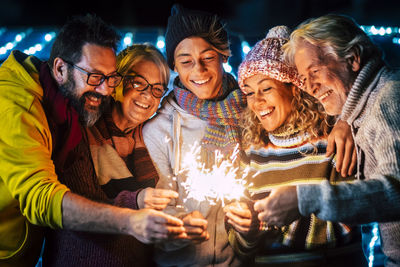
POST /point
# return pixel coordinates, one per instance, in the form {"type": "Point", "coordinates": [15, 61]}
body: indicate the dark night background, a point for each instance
{"type": "Point", "coordinates": [249, 17]}
{"type": "Point", "coordinates": [245, 19]}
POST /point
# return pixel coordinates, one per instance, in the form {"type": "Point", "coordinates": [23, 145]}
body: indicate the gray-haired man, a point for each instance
{"type": "Point", "coordinates": [344, 70]}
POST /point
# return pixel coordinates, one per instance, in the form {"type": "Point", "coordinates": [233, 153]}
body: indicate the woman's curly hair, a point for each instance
{"type": "Point", "coordinates": [307, 117]}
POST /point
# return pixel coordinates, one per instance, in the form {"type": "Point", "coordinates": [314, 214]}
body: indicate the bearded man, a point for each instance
{"type": "Point", "coordinates": [44, 108]}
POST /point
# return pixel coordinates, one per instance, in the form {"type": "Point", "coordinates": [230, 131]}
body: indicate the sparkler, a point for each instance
{"type": "Point", "coordinates": [218, 183]}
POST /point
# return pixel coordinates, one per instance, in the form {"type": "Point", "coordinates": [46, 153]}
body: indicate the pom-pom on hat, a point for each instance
{"type": "Point", "coordinates": [266, 57]}
{"type": "Point", "coordinates": [184, 23]}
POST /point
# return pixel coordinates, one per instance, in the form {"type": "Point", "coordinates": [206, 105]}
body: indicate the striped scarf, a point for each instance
{"type": "Point", "coordinates": [222, 114]}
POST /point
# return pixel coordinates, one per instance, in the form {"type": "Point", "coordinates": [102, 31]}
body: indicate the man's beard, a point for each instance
{"type": "Point", "coordinates": [87, 117]}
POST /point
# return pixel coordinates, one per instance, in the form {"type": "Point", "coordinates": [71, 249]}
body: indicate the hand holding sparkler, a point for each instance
{"type": "Point", "coordinates": [196, 227]}
{"type": "Point", "coordinates": [280, 207]}
{"type": "Point", "coordinates": [242, 218]}
{"type": "Point", "coordinates": [155, 198]}
{"type": "Point", "coordinates": [151, 226]}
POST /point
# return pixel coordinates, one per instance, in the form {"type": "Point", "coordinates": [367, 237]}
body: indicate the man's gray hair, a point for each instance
{"type": "Point", "coordinates": [336, 35]}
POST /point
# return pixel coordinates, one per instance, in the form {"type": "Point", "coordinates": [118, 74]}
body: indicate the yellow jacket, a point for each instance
{"type": "Point", "coordinates": [29, 189]}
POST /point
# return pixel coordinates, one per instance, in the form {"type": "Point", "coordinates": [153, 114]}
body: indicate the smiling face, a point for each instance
{"type": "Point", "coordinates": [139, 106]}
{"type": "Point", "coordinates": [89, 100]}
{"type": "Point", "coordinates": [269, 99]}
{"type": "Point", "coordinates": [326, 78]}
{"type": "Point", "coordinates": [199, 67]}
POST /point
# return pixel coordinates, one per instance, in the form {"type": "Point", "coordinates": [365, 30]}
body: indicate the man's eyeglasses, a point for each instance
{"type": "Point", "coordinates": [95, 79]}
{"type": "Point", "coordinates": [139, 83]}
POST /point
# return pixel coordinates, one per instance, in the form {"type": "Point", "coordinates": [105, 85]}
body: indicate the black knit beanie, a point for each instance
{"type": "Point", "coordinates": [181, 25]}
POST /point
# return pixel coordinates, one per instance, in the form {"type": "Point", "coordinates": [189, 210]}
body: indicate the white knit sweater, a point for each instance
{"type": "Point", "coordinates": [168, 137]}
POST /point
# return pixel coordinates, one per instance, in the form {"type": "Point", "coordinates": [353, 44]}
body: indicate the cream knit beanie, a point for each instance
{"type": "Point", "coordinates": [266, 57]}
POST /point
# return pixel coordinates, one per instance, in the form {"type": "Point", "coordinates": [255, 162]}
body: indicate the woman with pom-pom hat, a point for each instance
{"type": "Point", "coordinates": [284, 140]}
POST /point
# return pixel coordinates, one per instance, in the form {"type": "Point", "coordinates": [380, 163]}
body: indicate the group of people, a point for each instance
{"type": "Point", "coordinates": [92, 159]}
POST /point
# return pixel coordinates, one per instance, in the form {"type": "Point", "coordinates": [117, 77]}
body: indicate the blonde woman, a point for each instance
{"type": "Point", "coordinates": [285, 140]}
{"type": "Point", "coordinates": [125, 175]}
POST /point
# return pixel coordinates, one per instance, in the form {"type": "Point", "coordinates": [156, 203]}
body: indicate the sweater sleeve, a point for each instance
{"type": "Point", "coordinates": [157, 144]}
{"type": "Point", "coordinates": [26, 168]}
{"type": "Point", "coordinates": [374, 198]}
{"type": "Point", "coordinates": [127, 199]}
{"type": "Point", "coordinates": [244, 248]}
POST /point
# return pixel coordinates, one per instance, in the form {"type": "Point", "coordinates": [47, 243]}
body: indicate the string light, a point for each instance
{"type": "Point", "coordinates": [49, 36]}
{"type": "Point", "coordinates": [245, 48]}
{"type": "Point", "coordinates": [227, 67]}
{"type": "Point", "coordinates": [18, 38]}
{"type": "Point", "coordinates": [161, 43]}
{"type": "Point", "coordinates": [38, 47]}
{"type": "Point", "coordinates": [128, 39]}
{"type": "Point", "coordinates": [380, 30]}
{"type": "Point", "coordinates": [371, 246]}
{"type": "Point", "coordinates": [383, 31]}
{"type": "Point", "coordinates": [9, 46]}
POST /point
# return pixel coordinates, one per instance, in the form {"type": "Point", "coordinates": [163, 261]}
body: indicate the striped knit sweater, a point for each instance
{"type": "Point", "coordinates": [372, 110]}
{"type": "Point", "coordinates": [290, 162]}
{"type": "Point", "coordinates": [117, 157]}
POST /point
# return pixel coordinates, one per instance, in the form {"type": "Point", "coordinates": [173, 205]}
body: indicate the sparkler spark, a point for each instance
{"type": "Point", "coordinates": [219, 183]}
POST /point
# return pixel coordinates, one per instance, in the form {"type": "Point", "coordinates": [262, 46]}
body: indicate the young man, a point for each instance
{"type": "Point", "coordinates": [344, 70]}
{"type": "Point", "coordinates": [44, 108]}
